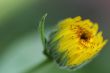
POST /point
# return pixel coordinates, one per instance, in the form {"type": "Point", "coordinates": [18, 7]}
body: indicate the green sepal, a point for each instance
{"type": "Point", "coordinates": [42, 31]}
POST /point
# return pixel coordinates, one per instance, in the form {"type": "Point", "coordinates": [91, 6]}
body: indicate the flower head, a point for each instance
{"type": "Point", "coordinates": [75, 42]}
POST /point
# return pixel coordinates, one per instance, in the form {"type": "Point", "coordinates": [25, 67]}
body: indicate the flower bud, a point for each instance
{"type": "Point", "coordinates": [75, 42]}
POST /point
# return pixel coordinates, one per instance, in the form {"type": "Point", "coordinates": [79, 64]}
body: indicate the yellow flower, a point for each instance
{"type": "Point", "coordinates": [75, 42]}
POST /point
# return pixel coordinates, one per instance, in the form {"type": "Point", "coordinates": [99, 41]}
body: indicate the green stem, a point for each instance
{"type": "Point", "coordinates": [38, 67]}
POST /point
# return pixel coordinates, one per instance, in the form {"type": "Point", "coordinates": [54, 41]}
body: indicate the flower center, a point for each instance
{"type": "Point", "coordinates": [84, 36]}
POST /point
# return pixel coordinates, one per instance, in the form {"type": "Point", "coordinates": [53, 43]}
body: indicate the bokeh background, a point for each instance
{"type": "Point", "coordinates": [20, 44]}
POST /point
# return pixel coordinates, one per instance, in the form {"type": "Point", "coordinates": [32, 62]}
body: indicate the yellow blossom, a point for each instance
{"type": "Point", "coordinates": [75, 42]}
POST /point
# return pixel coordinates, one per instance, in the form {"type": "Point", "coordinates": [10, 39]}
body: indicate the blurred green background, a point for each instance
{"type": "Point", "coordinates": [20, 44]}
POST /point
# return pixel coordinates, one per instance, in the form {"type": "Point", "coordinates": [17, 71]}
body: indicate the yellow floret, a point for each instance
{"type": "Point", "coordinates": [79, 40]}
